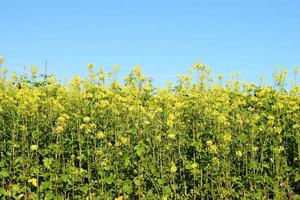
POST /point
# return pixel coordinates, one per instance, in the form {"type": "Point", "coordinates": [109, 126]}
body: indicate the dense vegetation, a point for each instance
{"type": "Point", "coordinates": [95, 138]}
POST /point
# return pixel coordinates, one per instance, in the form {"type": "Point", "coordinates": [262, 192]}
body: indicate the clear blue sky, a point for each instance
{"type": "Point", "coordinates": [165, 37]}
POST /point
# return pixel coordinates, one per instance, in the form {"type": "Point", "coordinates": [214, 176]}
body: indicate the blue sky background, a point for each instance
{"type": "Point", "coordinates": [165, 37]}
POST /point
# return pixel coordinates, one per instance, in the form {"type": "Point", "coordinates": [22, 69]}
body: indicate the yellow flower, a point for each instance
{"type": "Point", "coordinates": [33, 181]}
{"type": "Point", "coordinates": [222, 119]}
{"type": "Point", "coordinates": [170, 120]}
{"type": "Point", "coordinates": [279, 149]}
{"type": "Point", "coordinates": [238, 154]}
{"type": "Point", "coordinates": [172, 135]}
{"type": "Point", "coordinates": [86, 119]}
{"type": "Point", "coordinates": [61, 121]}
{"type": "Point", "coordinates": [194, 166]}
{"type": "Point", "coordinates": [124, 140]}
{"type": "Point", "coordinates": [295, 126]}
{"type": "Point", "coordinates": [158, 138]}
{"type": "Point", "coordinates": [173, 168]}
{"type": "Point", "coordinates": [277, 130]}
{"type": "Point", "coordinates": [99, 152]}
{"type": "Point", "coordinates": [81, 170]}
{"type": "Point", "coordinates": [15, 76]}
{"type": "Point", "coordinates": [101, 135]}
{"type": "Point", "coordinates": [93, 126]}
{"type": "Point", "coordinates": [82, 126]}
{"type": "Point", "coordinates": [34, 147]}
{"type": "Point", "coordinates": [137, 68]}
{"type": "Point", "coordinates": [213, 148]}
{"type": "Point", "coordinates": [270, 119]}
{"type": "Point", "coordinates": [199, 66]}
{"type": "Point", "coordinates": [116, 68]}
{"type": "Point", "coordinates": [227, 137]}
{"type": "Point", "coordinates": [90, 66]}
{"type": "Point", "coordinates": [59, 129]}
{"type": "Point", "coordinates": [209, 142]}
{"type": "Point", "coordinates": [34, 69]}
{"type": "Point", "coordinates": [146, 122]}
{"type": "Point", "coordinates": [254, 149]}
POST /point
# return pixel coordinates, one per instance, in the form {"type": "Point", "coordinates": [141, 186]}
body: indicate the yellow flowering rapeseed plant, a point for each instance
{"type": "Point", "coordinates": [100, 138]}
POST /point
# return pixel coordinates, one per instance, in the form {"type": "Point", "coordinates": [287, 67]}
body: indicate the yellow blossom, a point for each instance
{"type": "Point", "coordinates": [116, 68]}
{"type": "Point", "coordinates": [86, 119]}
{"type": "Point", "coordinates": [254, 149]}
{"type": "Point", "coordinates": [33, 181]}
{"type": "Point", "coordinates": [209, 142]}
{"type": "Point", "coordinates": [59, 129]}
{"type": "Point", "coordinates": [173, 168]}
{"type": "Point", "coordinates": [120, 198]}
{"type": "Point", "coordinates": [227, 137]}
{"type": "Point", "coordinates": [124, 140]}
{"type": "Point", "coordinates": [100, 135]}
{"type": "Point", "coordinates": [158, 138]}
{"type": "Point", "coordinates": [34, 147]}
{"type": "Point", "coordinates": [279, 149]}
{"type": "Point", "coordinates": [90, 66]}
{"type": "Point", "coordinates": [238, 154]}
{"type": "Point", "coordinates": [137, 68]}
{"type": "Point", "coordinates": [213, 148]}
{"type": "Point", "coordinates": [172, 135]}
{"type": "Point", "coordinates": [194, 165]}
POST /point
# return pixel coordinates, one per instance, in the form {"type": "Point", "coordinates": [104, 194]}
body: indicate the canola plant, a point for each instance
{"type": "Point", "coordinates": [96, 138]}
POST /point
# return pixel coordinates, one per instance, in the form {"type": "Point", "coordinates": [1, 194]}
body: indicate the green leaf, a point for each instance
{"type": "Point", "coordinates": [84, 188]}
{"type": "Point", "coordinates": [167, 191]}
{"type": "Point", "coordinates": [49, 196]}
{"type": "Point", "coordinates": [18, 161]}
{"type": "Point", "coordinates": [161, 182]}
{"type": "Point", "coordinates": [4, 174]}
{"type": "Point", "coordinates": [81, 157]}
{"type": "Point", "coordinates": [126, 161]}
{"type": "Point", "coordinates": [36, 133]}
{"type": "Point", "coordinates": [297, 177]}
{"type": "Point", "coordinates": [2, 191]}
{"type": "Point", "coordinates": [47, 162]}
{"type": "Point", "coordinates": [140, 149]}
{"type": "Point", "coordinates": [2, 163]}
{"type": "Point", "coordinates": [136, 181]}
{"type": "Point", "coordinates": [127, 187]}
{"type": "Point", "coordinates": [45, 185]}
{"type": "Point", "coordinates": [109, 180]}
